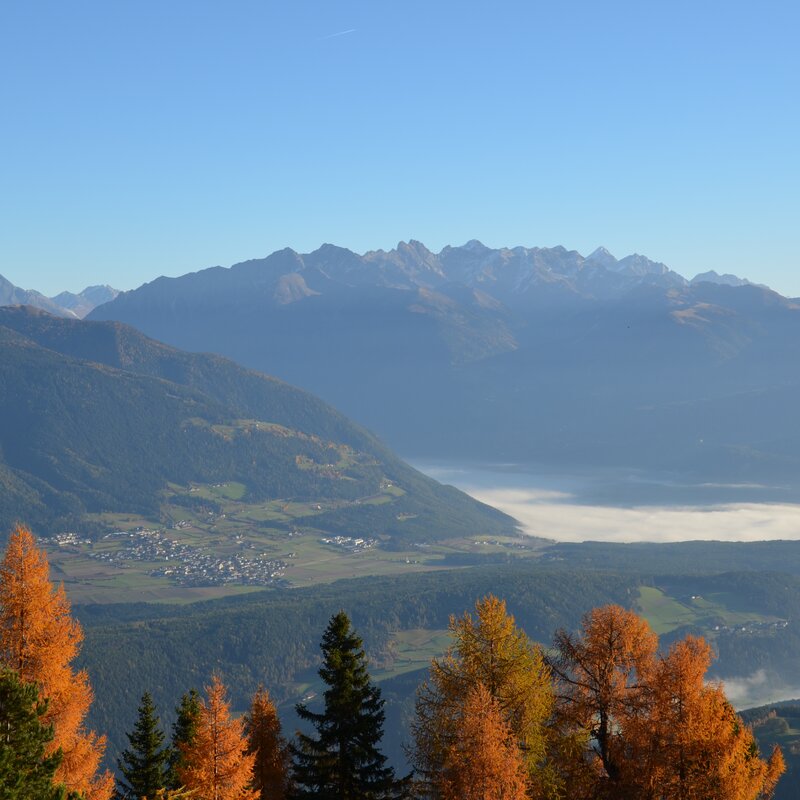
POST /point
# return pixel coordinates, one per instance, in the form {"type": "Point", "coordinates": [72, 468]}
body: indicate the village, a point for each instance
{"type": "Point", "coordinates": [185, 565]}
{"type": "Point", "coordinates": [351, 544]}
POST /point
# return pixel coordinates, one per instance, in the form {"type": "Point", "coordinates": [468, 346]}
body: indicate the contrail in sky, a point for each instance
{"type": "Point", "coordinates": [341, 33]}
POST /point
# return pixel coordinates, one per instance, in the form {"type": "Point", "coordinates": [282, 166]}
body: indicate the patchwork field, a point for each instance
{"type": "Point", "coordinates": [209, 543]}
{"type": "Point", "coordinates": [712, 612]}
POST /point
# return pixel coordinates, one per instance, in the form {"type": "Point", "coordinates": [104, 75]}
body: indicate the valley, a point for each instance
{"type": "Point", "coordinates": [214, 544]}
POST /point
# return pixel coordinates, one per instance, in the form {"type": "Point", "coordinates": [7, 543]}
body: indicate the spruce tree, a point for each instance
{"type": "Point", "coordinates": [144, 766]}
{"type": "Point", "coordinates": [184, 730]}
{"type": "Point", "coordinates": [26, 771]}
{"type": "Point", "coordinates": [343, 762]}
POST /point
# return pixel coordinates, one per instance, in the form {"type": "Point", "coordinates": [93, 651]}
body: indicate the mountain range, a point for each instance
{"type": "Point", "coordinates": [98, 419]}
{"type": "Point", "coordinates": [511, 354]}
{"type": "Point", "coordinates": [65, 304]}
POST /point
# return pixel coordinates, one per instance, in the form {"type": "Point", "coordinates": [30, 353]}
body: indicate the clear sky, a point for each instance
{"type": "Point", "coordinates": [163, 136]}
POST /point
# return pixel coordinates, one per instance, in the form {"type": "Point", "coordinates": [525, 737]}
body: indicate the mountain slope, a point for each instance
{"type": "Point", "coordinates": [81, 304]}
{"type": "Point", "coordinates": [523, 354]}
{"type": "Point", "coordinates": [66, 304]}
{"type": "Point", "coordinates": [11, 295]}
{"type": "Point", "coordinates": [98, 418]}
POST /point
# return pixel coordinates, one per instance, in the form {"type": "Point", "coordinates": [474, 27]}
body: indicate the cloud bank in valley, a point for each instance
{"type": "Point", "coordinates": [550, 514]}
{"type": "Point", "coordinates": [758, 689]}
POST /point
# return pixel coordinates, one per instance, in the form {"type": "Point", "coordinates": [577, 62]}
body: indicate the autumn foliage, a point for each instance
{"type": "Point", "coordinates": [267, 745]}
{"type": "Point", "coordinates": [216, 764]}
{"type": "Point", "coordinates": [605, 716]}
{"type": "Point", "coordinates": [39, 640]}
{"type": "Point", "coordinates": [652, 727]}
{"type": "Point", "coordinates": [483, 761]}
{"type": "Point", "coordinates": [488, 651]}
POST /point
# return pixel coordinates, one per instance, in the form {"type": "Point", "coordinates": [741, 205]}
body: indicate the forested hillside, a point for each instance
{"type": "Point", "coordinates": [100, 420]}
{"type": "Point", "coordinates": [271, 637]}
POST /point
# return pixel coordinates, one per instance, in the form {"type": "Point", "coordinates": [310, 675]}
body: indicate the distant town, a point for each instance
{"type": "Point", "coordinates": [185, 565]}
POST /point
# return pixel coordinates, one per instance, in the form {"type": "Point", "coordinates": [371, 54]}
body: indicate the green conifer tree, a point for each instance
{"type": "Point", "coordinates": [145, 765]}
{"type": "Point", "coordinates": [342, 762]}
{"type": "Point", "coordinates": [25, 771]}
{"type": "Point", "coordinates": [183, 732]}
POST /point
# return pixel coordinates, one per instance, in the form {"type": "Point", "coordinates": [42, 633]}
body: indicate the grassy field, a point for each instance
{"type": "Point", "coordinates": [666, 613]}
{"type": "Point", "coordinates": [226, 527]}
{"type": "Point", "coordinates": [413, 650]}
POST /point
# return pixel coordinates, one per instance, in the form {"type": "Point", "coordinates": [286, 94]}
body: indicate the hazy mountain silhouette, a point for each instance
{"type": "Point", "coordinates": [66, 304]}
{"type": "Point", "coordinates": [537, 354]}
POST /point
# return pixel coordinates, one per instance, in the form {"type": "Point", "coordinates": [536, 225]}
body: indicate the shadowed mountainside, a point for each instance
{"type": "Point", "coordinates": [522, 354]}
{"type": "Point", "coordinates": [98, 418]}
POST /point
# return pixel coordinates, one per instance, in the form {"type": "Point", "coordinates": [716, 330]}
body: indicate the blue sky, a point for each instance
{"type": "Point", "coordinates": [151, 138]}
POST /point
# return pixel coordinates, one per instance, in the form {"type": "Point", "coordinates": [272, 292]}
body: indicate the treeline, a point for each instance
{"type": "Point", "coordinates": [272, 636]}
{"type": "Point", "coordinates": [602, 715]}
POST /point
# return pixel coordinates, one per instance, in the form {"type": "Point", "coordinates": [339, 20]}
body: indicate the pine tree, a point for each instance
{"type": "Point", "coordinates": [265, 742]}
{"type": "Point", "coordinates": [39, 640]}
{"type": "Point", "coordinates": [343, 762]}
{"type": "Point", "coordinates": [144, 766]}
{"type": "Point", "coordinates": [26, 771]}
{"type": "Point", "coordinates": [183, 731]}
{"type": "Point", "coordinates": [216, 764]}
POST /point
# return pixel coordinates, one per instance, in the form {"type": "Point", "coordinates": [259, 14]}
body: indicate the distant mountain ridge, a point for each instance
{"type": "Point", "coordinates": [65, 304]}
{"type": "Point", "coordinates": [509, 354]}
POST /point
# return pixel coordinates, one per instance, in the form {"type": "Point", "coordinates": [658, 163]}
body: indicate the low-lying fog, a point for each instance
{"type": "Point", "coordinates": [617, 506]}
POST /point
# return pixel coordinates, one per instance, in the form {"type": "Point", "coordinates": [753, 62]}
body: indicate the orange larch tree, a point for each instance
{"type": "Point", "coordinates": [601, 678]}
{"type": "Point", "coordinates": [265, 742]}
{"type": "Point", "coordinates": [487, 649]}
{"type": "Point", "coordinates": [39, 640]}
{"type": "Point", "coordinates": [216, 764]}
{"type": "Point", "coordinates": [652, 726]}
{"type": "Point", "coordinates": [485, 761]}
{"type": "Point", "coordinates": [691, 744]}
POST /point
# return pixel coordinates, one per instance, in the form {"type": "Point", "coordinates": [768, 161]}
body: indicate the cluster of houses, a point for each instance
{"type": "Point", "coordinates": [508, 545]}
{"type": "Point", "coordinates": [143, 545]}
{"type": "Point", "coordinates": [190, 566]}
{"type": "Point", "coordinates": [752, 626]}
{"type": "Point", "coordinates": [349, 543]}
{"type": "Point", "coordinates": [210, 570]}
{"type": "Point", "coordinates": [64, 539]}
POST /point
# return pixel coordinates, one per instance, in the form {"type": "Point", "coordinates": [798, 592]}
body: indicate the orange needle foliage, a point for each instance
{"type": "Point", "coordinates": [484, 762]}
{"type": "Point", "coordinates": [657, 730]}
{"type": "Point", "coordinates": [270, 771]}
{"type": "Point", "coordinates": [39, 639]}
{"type": "Point", "coordinates": [216, 764]}
{"type": "Point", "coordinates": [695, 744]}
{"type": "Point", "coordinates": [491, 650]}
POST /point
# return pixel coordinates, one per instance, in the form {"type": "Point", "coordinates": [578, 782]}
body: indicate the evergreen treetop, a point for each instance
{"type": "Point", "coordinates": [184, 730]}
{"type": "Point", "coordinates": [26, 771]}
{"type": "Point", "coordinates": [145, 765]}
{"type": "Point", "coordinates": [343, 762]}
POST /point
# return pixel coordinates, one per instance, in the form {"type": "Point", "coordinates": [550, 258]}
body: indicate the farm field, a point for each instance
{"type": "Point", "coordinates": [711, 612]}
{"type": "Point", "coordinates": [209, 543]}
